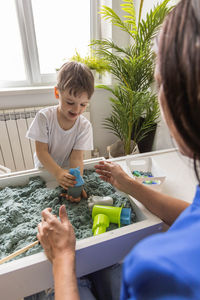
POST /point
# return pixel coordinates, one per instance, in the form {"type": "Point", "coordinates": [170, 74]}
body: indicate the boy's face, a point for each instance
{"type": "Point", "coordinates": [71, 106]}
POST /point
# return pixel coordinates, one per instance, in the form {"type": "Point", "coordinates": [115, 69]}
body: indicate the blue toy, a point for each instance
{"type": "Point", "coordinates": [76, 172]}
{"type": "Point", "coordinates": [75, 191]}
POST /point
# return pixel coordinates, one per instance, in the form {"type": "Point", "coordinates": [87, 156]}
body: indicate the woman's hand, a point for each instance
{"type": "Point", "coordinates": [113, 173]}
{"type": "Point", "coordinates": [57, 237]}
{"type": "Point", "coordinates": [65, 179]}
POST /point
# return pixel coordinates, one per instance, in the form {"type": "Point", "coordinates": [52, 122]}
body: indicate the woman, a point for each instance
{"type": "Point", "coordinates": [166, 265]}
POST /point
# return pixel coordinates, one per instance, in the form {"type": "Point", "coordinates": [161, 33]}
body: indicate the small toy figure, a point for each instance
{"type": "Point", "coordinates": [74, 193]}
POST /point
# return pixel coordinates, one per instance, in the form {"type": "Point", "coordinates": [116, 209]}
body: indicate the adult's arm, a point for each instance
{"type": "Point", "coordinates": [65, 282]}
{"type": "Point", "coordinates": [165, 207]}
{"type": "Point", "coordinates": [58, 240]}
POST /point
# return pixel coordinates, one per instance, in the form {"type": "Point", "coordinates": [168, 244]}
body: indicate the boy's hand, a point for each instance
{"type": "Point", "coordinates": [65, 179]}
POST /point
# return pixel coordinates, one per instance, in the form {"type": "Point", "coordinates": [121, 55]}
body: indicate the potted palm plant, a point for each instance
{"type": "Point", "coordinates": [135, 109]}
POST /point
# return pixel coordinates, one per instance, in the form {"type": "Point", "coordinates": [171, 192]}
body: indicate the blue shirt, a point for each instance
{"type": "Point", "coordinates": [166, 265]}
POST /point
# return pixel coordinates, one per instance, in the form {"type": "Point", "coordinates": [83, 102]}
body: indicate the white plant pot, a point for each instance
{"type": "Point", "coordinates": [117, 149]}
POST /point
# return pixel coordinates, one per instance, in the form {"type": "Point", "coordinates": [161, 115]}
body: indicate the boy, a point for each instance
{"type": "Point", "coordinates": [60, 132]}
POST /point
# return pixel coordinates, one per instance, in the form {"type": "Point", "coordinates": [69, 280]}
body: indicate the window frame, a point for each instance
{"type": "Point", "coordinates": [29, 45]}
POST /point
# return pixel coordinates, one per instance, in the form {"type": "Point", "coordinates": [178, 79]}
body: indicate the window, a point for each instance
{"type": "Point", "coordinates": [11, 58]}
{"type": "Point", "coordinates": [38, 35]}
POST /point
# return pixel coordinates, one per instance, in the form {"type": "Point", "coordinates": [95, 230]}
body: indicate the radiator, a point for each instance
{"type": "Point", "coordinates": [16, 151]}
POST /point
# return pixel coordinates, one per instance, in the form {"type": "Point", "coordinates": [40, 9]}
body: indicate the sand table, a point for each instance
{"type": "Point", "coordinates": [20, 211]}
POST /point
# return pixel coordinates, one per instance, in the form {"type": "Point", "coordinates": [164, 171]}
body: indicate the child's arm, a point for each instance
{"type": "Point", "coordinates": [76, 159]}
{"type": "Point", "coordinates": [62, 176]}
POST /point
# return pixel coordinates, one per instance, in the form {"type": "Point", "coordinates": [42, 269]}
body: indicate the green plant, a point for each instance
{"type": "Point", "coordinates": [93, 62]}
{"type": "Point", "coordinates": [133, 68]}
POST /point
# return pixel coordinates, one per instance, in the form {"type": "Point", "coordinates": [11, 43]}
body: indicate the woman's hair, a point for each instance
{"type": "Point", "coordinates": [76, 78]}
{"type": "Point", "coordinates": [179, 67]}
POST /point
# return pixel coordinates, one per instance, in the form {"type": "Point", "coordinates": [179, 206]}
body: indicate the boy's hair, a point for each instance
{"type": "Point", "coordinates": [76, 78]}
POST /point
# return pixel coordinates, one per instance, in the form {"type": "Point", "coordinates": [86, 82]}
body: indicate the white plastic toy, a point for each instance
{"type": "Point", "coordinates": [98, 200]}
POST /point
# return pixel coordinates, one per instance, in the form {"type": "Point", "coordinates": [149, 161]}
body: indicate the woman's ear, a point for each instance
{"type": "Point", "coordinates": [56, 92]}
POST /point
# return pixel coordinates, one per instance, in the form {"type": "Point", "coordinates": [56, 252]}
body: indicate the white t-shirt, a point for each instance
{"type": "Point", "coordinates": [46, 129]}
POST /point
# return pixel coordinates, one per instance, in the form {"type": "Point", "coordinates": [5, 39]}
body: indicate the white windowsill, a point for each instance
{"type": "Point", "coordinates": [26, 90]}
